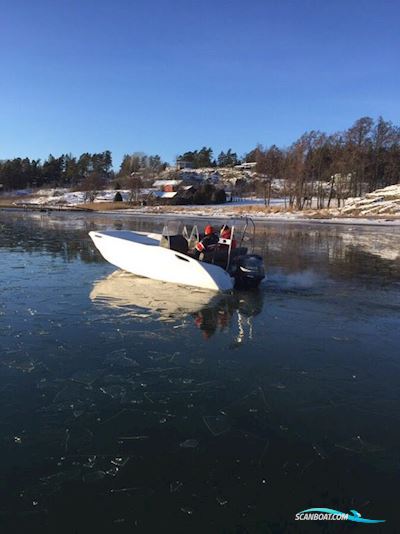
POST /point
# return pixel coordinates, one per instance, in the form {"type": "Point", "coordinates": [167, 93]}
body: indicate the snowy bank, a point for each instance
{"type": "Point", "coordinates": [384, 201]}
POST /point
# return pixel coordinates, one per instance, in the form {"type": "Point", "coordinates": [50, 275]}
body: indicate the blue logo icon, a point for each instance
{"type": "Point", "coordinates": [328, 514]}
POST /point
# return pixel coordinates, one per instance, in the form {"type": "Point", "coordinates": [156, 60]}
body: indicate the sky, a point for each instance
{"type": "Point", "coordinates": [167, 76]}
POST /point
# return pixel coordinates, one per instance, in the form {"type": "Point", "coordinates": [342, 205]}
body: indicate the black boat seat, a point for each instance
{"type": "Point", "coordinates": [175, 242]}
{"type": "Point", "coordinates": [220, 256]}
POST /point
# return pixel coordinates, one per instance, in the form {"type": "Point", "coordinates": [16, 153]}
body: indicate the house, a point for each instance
{"type": "Point", "coordinates": [184, 164]}
{"type": "Point", "coordinates": [168, 186]}
{"type": "Point", "coordinates": [246, 166]}
{"type": "Point", "coordinates": [183, 194]}
{"type": "Point", "coordinates": [165, 197]}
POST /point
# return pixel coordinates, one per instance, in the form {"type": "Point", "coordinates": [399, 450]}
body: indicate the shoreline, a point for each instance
{"type": "Point", "coordinates": [198, 213]}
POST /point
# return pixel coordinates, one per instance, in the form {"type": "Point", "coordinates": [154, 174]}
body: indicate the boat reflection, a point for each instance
{"type": "Point", "coordinates": [144, 297]}
{"type": "Point", "coordinates": [211, 312]}
{"type": "Point", "coordinates": [233, 312]}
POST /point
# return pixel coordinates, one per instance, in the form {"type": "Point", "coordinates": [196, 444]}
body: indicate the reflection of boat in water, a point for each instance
{"type": "Point", "coordinates": [212, 312]}
{"type": "Point", "coordinates": [136, 296]}
{"type": "Point", "coordinates": [238, 309]}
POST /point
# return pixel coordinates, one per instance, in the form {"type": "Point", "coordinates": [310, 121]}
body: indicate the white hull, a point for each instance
{"type": "Point", "coordinates": [139, 253]}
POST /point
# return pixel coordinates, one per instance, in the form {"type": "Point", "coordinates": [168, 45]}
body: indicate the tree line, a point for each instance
{"type": "Point", "coordinates": [361, 159]}
{"type": "Point", "coordinates": [319, 166]}
{"type": "Point", "coordinates": [66, 170]}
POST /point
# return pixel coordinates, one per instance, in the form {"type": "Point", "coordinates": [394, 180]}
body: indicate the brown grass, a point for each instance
{"type": "Point", "coordinates": [8, 202]}
{"type": "Point", "coordinates": [108, 206]}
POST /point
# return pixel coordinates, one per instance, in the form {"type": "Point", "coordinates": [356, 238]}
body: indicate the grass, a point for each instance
{"type": "Point", "coordinates": [108, 206]}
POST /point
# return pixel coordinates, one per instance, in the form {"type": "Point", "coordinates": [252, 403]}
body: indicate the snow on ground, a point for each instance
{"type": "Point", "coordinates": [380, 202]}
{"type": "Point", "coordinates": [381, 207]}
{"type": "Point", "coordinates": [66, 197]}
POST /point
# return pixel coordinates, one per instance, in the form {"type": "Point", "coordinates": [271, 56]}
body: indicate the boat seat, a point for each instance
{"type": "Point", "coordinates": [220, 256]}
{"type": "Point", "coordinates": [175, 242]}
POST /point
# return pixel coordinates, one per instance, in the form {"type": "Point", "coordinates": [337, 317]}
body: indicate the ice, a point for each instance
{"type": "Point", "coordinates": [86, 378]}
{"type": "Point", "coordinates": [67, 437]}
{"type": "Point", "coordinates": [132, 438]}
{"type": "Point", "coordinates": [175, 486]}
{"type": "Point", "coordinates": [77, 439]}
{"type": "Point", "coordinates": [186, 510]}
{"type": "Point", "coordinates": [320, 451]}
{"type": "Point", "coordinates": [115, 391]}
{"type": "Point", "coordinates": [189, 444]}
{"type": "Point", "coordinates": [137, 491]}
{"type": "Point", "coordinates": [197, 361]}
{"type": "Point", "coordinates": [113, 471]}
{"type": "Point", "coordinates": [120, 461]}
{"type": "Point", "coordinates": [217, 424]}
{"type": "Point", "coordinates": [93, 476]}
{"type": "Point", "coordinates": [264, 400]}
{"type": "Point", "coordinates": [358, 445]}
{"type": "Point", "coordinates": [91, 461]}
{"type": "Point", "coordinates": [263, 453]}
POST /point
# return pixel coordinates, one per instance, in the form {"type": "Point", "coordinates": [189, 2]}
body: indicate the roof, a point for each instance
{"type": "Point", "coordinates": [161, 183]}
{"type": "Point", "coordinates": [247, 165]}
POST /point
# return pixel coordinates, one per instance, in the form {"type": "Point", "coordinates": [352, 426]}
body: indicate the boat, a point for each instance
{"type": "Point", "coordinates": [168, 257]}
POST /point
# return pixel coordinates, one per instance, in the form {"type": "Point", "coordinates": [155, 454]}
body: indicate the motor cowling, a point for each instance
{"type": "Point", "coordinates": [247, 270]}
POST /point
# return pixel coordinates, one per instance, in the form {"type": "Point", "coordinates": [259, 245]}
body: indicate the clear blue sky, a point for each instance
{"type": "Point", "coordinates": [166, 76]}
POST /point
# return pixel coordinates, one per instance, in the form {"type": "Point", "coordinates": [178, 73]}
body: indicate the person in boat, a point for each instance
{"type": "Point", "coordinates": [208, 243]}
{"type": "Point", "coordinates": [226, 233]}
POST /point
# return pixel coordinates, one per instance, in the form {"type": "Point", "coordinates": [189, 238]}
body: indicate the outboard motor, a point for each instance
{"type": "Point", "coordinates": [247, 270]}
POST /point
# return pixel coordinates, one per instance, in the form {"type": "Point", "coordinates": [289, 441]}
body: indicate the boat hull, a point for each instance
{"type": "Point", "coordinates": [141, 254]}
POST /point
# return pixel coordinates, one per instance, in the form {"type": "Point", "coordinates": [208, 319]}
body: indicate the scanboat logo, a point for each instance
{"type": "Point", "coordinates": [327, 514]}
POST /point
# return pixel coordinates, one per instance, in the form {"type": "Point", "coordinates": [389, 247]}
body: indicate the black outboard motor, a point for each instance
{"type": "Point", "coordinates": [247, 270]}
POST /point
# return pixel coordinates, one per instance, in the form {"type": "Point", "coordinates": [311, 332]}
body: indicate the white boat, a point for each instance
{"type": "Point", "coordinates": [141, 254]}
{"type": "Point", "coordinates": [166, 257]}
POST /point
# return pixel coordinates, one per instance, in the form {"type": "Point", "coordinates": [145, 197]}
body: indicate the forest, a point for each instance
{"type": "Point", "coordinates": [360, 159]}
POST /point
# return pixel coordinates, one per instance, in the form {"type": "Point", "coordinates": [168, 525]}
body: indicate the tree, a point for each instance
{"type": "Point", "coordinates": [269, 166]}
{"type": "Point", "coordinates": [140, 162]}
{"type": "Point", "coordinates": [357, 149]}
{"type": "Point", "coordinates": [198, 159]}
{"type": "Point", "coordinates": [228, 159]}
{"type": "Point", "coordinates": [251, 157]}
{"type": "Point", "coordinates": [384, 138]}
{"type": "Point", "coordinates": [52, 170]}
{"type": "Point", "coordinates": [134, 184]}
{"type": "Point", "coordinates": [71, 170]}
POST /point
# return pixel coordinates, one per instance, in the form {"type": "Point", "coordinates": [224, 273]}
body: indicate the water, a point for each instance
{"type": "Point", "coordinates": [132, 406]}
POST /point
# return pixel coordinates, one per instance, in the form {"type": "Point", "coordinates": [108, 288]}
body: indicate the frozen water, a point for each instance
{"type": "Point", "coordinates": [139, 413]}
{"type": "Point", "coordinates": [189, 444]}
{"type": "Point", "coordinates": [217, 425]}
